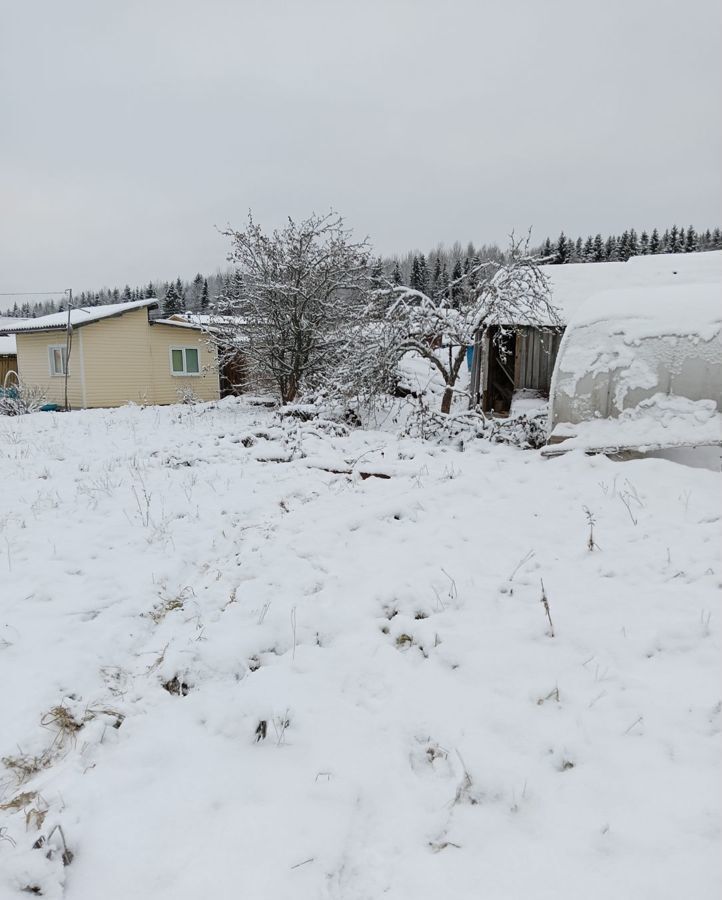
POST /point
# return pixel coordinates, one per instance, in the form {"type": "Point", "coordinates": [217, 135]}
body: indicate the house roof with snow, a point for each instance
{"type": "Point", "coordinates": [79, 316]}
{"type": "Point", "coordinates": [7, 342]}
{"type": "Point", "coordinates": [181, 321]}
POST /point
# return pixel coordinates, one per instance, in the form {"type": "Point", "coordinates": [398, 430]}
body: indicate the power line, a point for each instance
{"type": "Point", "coordinates": [31, 293]}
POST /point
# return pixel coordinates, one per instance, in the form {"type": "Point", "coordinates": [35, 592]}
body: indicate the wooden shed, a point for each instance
{"type": "Point", "coordinates": [8, 352]}
{"type": "Point", "coordinates": [520, 359]}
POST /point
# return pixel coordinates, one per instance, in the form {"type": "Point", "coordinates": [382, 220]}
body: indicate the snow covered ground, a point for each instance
{"type": "Point", "coordinates": [236, 663]}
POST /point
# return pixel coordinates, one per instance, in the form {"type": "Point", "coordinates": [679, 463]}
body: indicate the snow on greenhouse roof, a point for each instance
{"type": "Point", "coordinates": [574, 283]}
{"type": "Point", "coordinates": [82, 315]}
{"type": "Point", "coordinates": [643, 312]}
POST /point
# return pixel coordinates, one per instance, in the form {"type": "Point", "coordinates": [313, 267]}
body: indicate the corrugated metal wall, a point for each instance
{"type": "Point", "coordinates": [536, 352]}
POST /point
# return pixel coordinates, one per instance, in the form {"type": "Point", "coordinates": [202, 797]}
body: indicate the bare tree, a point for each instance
{"type": "Point", "coordinates": [510, 293]}
{"type": "Point", "coordinates": [294, 299]}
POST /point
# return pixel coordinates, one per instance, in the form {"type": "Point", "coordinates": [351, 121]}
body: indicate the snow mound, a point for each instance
{"type": "Point", "coordinates": [660, 421]}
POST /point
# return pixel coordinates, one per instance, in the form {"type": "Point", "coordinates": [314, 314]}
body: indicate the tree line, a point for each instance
{"type": "Point", "coordinates": [619, 248]}
{"type": "Point", "coordinates": [443, 271]}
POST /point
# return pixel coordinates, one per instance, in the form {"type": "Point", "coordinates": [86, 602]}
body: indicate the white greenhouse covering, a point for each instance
{"type": "Point", "coordinates": [641, 367]}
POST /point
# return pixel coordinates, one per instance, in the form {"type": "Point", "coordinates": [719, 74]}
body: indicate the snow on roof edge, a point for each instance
{"type": "Point", "coordinates": [79, 316]}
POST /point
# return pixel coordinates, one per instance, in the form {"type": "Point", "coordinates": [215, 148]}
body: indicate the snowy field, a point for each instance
{"type": "Point", "coordinates": [237, 664]}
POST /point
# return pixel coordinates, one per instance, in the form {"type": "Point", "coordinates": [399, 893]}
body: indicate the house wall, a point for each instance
{"type": "Point", "coordinates": [34, 366]}
{"type": "Point", "coordinates": [116, 358]}
{"type": "Point", "coordinates": [166, 385]}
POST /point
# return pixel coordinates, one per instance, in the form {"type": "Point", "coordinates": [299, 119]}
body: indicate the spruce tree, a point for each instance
{"type": "Point", "coordinates": [655, 243]}
{"type": "Point", "coordinates": [599, 249]}
{"type": "Point", "coordinates": [562, 250]}
{"type": "Point", "coordinates": [644, 243]}
{"type": "Point", "coordinates": [457, 289]}
{"type": "Point", "coordinates": [633, 243]}
{"type": "Point", "coordinates": [396, 273]}
{"type": "Point", "coordinates": [623, 247]}
{"type": "Point", "coordinates": [180, 290]}
{"type": "Point", "coordinates": [436, 277]}
{"type": "Point", "coordinates": [415, 279]}
{"type": "Point", "coordinates": [675, 244]}
{"type": "Point", "coordinates": [423, 274]}
{"type": "Point", "coordinates": [171, 302]}
{"type": "Point", "coordinates": [690, 241]}
{"type": "Point", "coordinates": [150, 291]}
{"type": "Point", "coordinates": [377, 273]}
{"type": "Point", "coordinates": [203, 302]}
{"type": "Point", "coordinates": [716, 239]}
{"type": "Point", "coordinates": [196, 289]}
{"type": "Point", "coordinates": [444, 280]}
{"type": "Point", "coordinates": [588, 251]}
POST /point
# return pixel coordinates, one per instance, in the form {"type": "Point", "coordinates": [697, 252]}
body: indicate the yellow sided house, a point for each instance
{"type": "Point", "coordinates": [113, 355]}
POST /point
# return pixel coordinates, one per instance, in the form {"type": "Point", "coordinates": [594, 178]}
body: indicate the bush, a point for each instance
{"type": "Point", "coordinates": [526, 431]}
{"type": "Point", "coordinates": [21, 399]}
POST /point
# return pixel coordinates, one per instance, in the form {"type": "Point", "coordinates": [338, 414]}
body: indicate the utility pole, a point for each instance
{"type": "Point", "coordinates": [68, 345]}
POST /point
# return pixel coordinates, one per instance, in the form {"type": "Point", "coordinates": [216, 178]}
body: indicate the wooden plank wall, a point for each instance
{"type": "Point", "coordinates": [536, 352]}
{"type": "Point", "coordinates": [7, 364]}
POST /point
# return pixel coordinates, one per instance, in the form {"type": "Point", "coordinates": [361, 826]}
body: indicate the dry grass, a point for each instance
{"type": "Point", "coordinates": [63, 721]}
{"type": "Point", "coordinates": [24, 766]}
{"type": "Point", "coordinates": [169, 604]}
{"type": "Point", "coordinates": [20, 802]}
{"type": "Point", "coordinates": [35, 816]}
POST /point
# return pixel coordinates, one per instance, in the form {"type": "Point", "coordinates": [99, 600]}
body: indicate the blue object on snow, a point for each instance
{"type": "Point", "coordinates": [469, 357]}
{"type": "Point", "coordinates": [51, 407]}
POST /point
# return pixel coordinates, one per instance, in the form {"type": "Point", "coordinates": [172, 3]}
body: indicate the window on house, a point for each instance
{"type": "Point", "coordinates": [184, 361]}
{"type": "Point", "coordinates": [58, 359]}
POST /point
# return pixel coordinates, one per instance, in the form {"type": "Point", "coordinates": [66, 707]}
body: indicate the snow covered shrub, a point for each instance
{"type": "Point", "coordinates": [526, 431]}
{"type": "Point", "coordinates": [187, 396]}
{"type": "Point", "coordinates": [21, 399]}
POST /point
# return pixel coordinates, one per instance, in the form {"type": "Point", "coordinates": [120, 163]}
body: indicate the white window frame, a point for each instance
{"type": "Point", "coordinates": [51, 359]}
{"type": "Point", "coordinates": [185, 373]}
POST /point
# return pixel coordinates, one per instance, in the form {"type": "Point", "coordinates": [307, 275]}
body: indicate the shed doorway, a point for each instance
{"type": "Point", "coordinates": [500, 381]}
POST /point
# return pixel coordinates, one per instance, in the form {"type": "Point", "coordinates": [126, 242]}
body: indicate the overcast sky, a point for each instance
{"type": "Point", "coordinates": [131, 129]}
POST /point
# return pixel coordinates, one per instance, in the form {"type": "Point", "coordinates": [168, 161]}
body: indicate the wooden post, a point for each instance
{"type": "Point", "coordinates": [68, 344]}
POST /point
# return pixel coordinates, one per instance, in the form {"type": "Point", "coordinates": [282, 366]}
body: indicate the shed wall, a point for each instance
{"type": "Point", "coordinates": [8, 363]}
{"type": "Point", "coordinates": [536, 353]}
